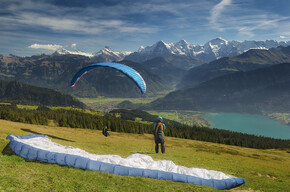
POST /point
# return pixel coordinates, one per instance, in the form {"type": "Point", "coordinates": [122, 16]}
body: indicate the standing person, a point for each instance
{"type": "Point", "coordinates": [159, 129]}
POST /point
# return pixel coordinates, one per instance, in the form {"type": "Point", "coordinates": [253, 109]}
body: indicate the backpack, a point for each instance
{"type": "Point", "coordinates": [159, 124]}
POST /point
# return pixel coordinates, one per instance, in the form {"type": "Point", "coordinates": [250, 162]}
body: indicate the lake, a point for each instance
{"type": "Point", "coordinates": [249, 123]}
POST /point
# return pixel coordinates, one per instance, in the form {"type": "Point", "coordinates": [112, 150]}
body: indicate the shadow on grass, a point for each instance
{"type": "Point", "coordinates": [141, 152]}
{"type": "Point", "coordinates": [34, 132]}
{"type": "Point", "coordinates": [7, 150]}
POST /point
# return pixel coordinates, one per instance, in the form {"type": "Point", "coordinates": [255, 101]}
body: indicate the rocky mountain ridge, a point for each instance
{"type": "Point", "coordinates": [213, 49]}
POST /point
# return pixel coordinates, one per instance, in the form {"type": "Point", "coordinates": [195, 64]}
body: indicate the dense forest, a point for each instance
{"type": "Point", "coordinates": [79, 119]}
{"type": "Point", "coordinates": [21, 93]}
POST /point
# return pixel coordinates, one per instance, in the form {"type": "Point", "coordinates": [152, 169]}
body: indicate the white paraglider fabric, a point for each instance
{"type": "Point", "coordinates": [40, 147]}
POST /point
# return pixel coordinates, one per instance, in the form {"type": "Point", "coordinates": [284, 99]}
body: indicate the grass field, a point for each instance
{"type": "Point", "coordinates": [263, 170]}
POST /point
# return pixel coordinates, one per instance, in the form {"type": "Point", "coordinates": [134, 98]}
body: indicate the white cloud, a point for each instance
{"type": "Point", "coordinates": [216, 12]}
{"type": "Point", "coordinates": [243, 17]}
{"type": "Point", "coordinates": [47, 46]}
{"type": "Point", "coordinates": [74, 45]}
{"type": "Point", "coordinates": [66, 19]}
{"type": "Point", "coordinates": [282, 37]}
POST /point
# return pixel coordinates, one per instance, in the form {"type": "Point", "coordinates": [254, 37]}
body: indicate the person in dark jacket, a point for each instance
{"type": "Point", "coordinates": [106, 131]}
{"type": "Point", "coordinates": [159, 128]}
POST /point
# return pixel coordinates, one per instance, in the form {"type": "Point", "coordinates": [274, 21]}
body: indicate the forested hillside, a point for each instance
{"type": "Point", "coordinates": [78, 119]}
{"type": "Point", "coordinates": [250, 60]}
{"type": "Point", "coordinates": [21, 93]}
{"type": "Point", "coordinates": [143, 115]}
{"type": "Point", "coordinates": [265, 89]}
{"type": "Point", "coordinates": [56, 72]}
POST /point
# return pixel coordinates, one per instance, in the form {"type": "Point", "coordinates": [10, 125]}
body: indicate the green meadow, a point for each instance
{"type": "Point", "coordinates": [263, 170]}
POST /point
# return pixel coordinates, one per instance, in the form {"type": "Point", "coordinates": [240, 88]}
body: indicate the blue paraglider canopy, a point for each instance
{"type": "Point", "coordinates": [128, 71]}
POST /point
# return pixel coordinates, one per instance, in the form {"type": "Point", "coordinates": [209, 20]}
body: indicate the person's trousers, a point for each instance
{"type": "Point", "coordinates": [157, 141]}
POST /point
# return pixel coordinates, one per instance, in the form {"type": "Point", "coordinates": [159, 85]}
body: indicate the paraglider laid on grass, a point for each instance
{"type": "Point", "coordinates": [40, 147]}
{"type": "Point", "coordinates": [128, 71]}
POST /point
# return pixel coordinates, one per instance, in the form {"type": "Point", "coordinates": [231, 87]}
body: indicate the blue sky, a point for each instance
{"type": "Point", "coordinates": [90, 25]}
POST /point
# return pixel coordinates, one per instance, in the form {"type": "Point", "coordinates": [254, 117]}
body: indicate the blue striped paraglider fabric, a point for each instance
{"type": "Point", "coordinates": [43, 149]}
{"type": "Point", "coordinates": [128, 71]}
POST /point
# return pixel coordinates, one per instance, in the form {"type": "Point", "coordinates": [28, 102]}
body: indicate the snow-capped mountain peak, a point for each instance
{"type": "Point", "coordinates": [162, 47]}
{"type": "Point", "coordinates": [219, 41]}
{"type": "Point", "coordinates": [105, 50]}
{"type": "Point", "coordinates": [141, 48]}
{"type": "Point", "coordinates": [159, 48]}
{"type": "Point", "coordinates": [63, 51]}
{"type": "Point", "coordinates": [213, 49]}
{"type": "Point", "coordinates": [218, 47]}
{"type": "Point", "coordinates": [183, 48]}
{"type": "Point", "coordinates": [108, 55]}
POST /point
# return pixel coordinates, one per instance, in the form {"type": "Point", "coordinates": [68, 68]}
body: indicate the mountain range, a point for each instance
{"type": "Point", "coordinates": [56, 71]}
{"type": "Point", "coordinates": [250, 60]}
{"type": "Point", "coordinates": [175, 59]}
{"type": "Point", "coordinates": [261, 90]}
{"type": "Point", "coordinates": [213, 49]}
{"type": "Point", "coordinates": [163, 66]}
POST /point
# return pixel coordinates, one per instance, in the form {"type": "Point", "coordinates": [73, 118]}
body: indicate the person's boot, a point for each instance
{"type": "Point", "coordinates": [162, 147]}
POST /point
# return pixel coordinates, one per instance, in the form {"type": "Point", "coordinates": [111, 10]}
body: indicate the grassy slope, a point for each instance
{"type": "Point", "coordinates": [264, 170]}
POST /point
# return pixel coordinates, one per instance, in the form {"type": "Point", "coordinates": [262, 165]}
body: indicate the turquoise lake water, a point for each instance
{"type": "Point", "coordinates": [249, 123]}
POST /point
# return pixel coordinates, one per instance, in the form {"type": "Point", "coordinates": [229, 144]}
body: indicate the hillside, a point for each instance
{"type": "Point", "coordinates": [56, 71]}
{"type": "Point", "coordinates": [21, 93]}
{"type": "Point", "coordinates": [250, 60]}
{"type": "Point", "coordinates": [265, 89]}
{"type": "Point", "coordinates": [143, 115]}
{"type": "Point", "coordinates": [263, 170]}
{"type": "Point", "coordinates": [171, 69]}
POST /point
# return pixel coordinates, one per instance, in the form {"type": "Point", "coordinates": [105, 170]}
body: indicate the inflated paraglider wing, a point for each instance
{"type": "Point", "coordinates": [128, 71]}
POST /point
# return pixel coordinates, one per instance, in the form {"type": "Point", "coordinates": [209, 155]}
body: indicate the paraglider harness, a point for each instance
{"type": "Point", "coordinates": [159, 124]}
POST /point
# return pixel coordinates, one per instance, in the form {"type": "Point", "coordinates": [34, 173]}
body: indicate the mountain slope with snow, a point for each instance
{"type": "Point", "coordinates": [104, 55]}
{"type": "Point", "coordinates": [108, 55]}
{"type": "Point", "coordinates": [63, 51]}
{"type": "Point", "coordinates": [250, 60]}
{"type": "Point", "coordinates": [210, 51]}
